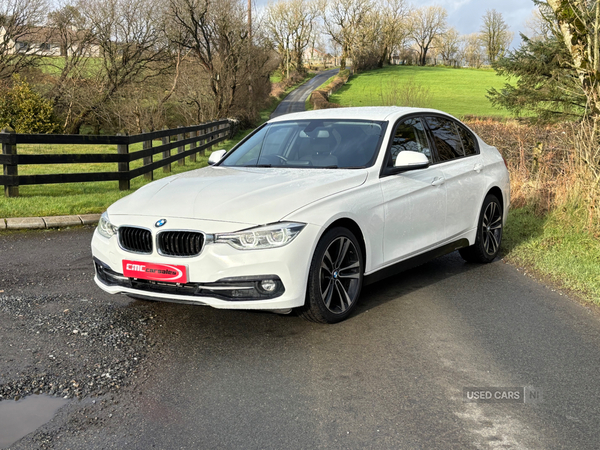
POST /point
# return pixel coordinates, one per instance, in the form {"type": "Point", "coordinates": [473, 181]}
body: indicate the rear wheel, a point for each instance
{"type": "Point", "coordinates": [489, 233]}
{"type": "Point", "coordinates": [335, 278]}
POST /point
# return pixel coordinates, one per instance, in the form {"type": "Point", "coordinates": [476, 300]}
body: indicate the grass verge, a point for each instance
{"type": "Point", "coordinates": [555, 248]}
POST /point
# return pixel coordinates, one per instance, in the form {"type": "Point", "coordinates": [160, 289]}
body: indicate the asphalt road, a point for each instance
{"type": "Point", "coordinates": [295, 101]}
{"type": "Point", "coordinates": [390, 377]}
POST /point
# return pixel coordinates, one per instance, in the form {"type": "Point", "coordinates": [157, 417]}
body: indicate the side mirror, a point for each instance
{"type": "Point", "coordinates": [408, 160]}
{"type": "Point", "coordinates": [216, 156]}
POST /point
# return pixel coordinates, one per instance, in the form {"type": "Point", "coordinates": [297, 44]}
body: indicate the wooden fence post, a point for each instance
{"type": "Point", "coordinates": [123, 149]}
{"type": "Point", "coordinates": [181, 148]}
{"type": "Point", "coordinates": [167, 153]}
{"type": "Point", "coordinates": [10, 169]}
{"type": "Point", "coordinates": [193, 146]}
{"type": "Point", "coordinates": [202, 142]}
{"type": "Point", "coordinates": [147, 145]}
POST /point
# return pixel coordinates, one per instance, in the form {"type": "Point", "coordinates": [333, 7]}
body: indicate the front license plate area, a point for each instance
{"type": "Point", "coordinates": [168, 273]}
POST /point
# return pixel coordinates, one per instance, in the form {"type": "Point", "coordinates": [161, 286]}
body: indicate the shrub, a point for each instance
{"type": "Point", "coordinates": [25, 110]}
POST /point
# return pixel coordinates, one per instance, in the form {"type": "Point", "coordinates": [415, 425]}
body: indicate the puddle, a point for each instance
{"type": "Point", "coordinates": [18, 419]}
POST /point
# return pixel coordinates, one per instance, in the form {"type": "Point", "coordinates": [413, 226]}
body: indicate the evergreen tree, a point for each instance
{"type": "Point", "coordinates": [544, 83]}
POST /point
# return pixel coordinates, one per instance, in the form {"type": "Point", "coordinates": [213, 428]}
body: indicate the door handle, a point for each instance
{"type": "Point", "coordinates": [437, 181]}
{"type": "Point", "coordinates": [478, 167]}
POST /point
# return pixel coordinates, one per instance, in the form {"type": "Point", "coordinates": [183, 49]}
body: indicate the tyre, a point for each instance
{"type": "Point", "coordinates": [335, 278]}
{"type": "Point", "coordinates": [489, 233]}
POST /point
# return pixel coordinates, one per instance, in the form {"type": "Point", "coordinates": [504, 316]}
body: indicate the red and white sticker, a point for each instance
{"type": "Point", "coordinates": [155, 272]}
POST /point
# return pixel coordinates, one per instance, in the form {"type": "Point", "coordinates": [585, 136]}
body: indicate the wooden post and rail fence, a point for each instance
{"type": "Point", "coordinates": [197, 137]}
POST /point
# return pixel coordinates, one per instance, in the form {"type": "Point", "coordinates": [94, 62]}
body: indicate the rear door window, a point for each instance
{"type": "Point", "coordinates": [468, 140]}
{"type": "Point", "coordinates": [447, 140]}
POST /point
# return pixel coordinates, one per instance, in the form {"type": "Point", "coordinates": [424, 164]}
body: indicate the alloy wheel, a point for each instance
{"type": "Point", "coordinates": [492, 228]}
{"type": "Point", "coordinates": [339, 275]}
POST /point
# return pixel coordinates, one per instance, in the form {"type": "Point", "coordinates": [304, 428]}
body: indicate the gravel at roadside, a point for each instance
{"type": "Point", "coordinates": [69, 346]}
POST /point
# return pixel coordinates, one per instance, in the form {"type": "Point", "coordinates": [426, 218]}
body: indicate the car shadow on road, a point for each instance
{"type": "Point", "coordinates": [372, 296]}
{"type": "Point", "coordinates": [409, 281]}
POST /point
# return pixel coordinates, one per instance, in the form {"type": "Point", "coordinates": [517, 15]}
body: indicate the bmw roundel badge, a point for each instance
{"type": "Point", "coordinates": [160, 223]}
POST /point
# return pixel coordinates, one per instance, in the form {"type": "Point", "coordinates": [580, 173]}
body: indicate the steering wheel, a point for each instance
{"type": "Point", "coordinates": [283, 159]}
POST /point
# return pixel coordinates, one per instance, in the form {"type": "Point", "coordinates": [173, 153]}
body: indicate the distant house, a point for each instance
{"type": "Point", "coordinates": [47, 41]}
{"type": "Point", "coordinates": [315, 57]}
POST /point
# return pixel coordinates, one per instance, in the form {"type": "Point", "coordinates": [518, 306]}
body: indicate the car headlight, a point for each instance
{"type": "Point", "coordinates": [268, 236]}
{"type": "Point", "coordinates": [105, 228]}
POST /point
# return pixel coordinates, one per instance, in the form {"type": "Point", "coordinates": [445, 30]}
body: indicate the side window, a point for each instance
{"type": "Point", "coordinates": [468, 141]}
{"type": "Point", "coordinates": [410, 135]}
{"type": "Point", "coordinates": [447, 140]}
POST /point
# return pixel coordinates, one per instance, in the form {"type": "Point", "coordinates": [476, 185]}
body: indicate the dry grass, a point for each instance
{"type": "Point", "coordinates": [554, 223]}
{"type": "Point", "coordinates": [408, 93]}
{"type": "Point", "coordinates": [552, 167]}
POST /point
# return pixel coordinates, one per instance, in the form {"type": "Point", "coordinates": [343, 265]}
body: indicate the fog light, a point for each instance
{"type": "Point", "coordinates": [268, 285]}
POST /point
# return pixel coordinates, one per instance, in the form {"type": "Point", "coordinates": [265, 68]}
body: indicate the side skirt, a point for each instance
{"type": "Point", "coordinates": [414, 261]}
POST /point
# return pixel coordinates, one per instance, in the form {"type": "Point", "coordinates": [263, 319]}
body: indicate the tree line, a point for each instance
{"type": "Point", "coordinates": [371, 33]}
{"type": "Point", "coordinates": [134, 65]}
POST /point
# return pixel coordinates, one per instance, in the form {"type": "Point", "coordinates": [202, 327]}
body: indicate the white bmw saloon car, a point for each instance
{"type": "Point", "coordinates": [306, 210]}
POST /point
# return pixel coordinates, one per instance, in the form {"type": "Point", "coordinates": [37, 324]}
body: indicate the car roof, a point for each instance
{"type": "Point", "coordinates": [378, 113]}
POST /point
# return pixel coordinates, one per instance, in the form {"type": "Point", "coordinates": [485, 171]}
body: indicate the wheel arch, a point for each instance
{"type": "Point", "coordinates": [351, 225]}
{"type": "Point", "coordinates": [497, 192]}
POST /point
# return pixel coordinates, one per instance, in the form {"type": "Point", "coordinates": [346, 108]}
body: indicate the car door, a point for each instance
{"type": "Point", "coordinates": [414, 201]}
{"type": "Point", "coordinates": [461, 165]}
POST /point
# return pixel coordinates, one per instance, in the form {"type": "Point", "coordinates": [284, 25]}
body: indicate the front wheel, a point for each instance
{"type": "Point", "coordinates": [489, 233]}
{"type": "Point", "coordinates": [335, 277]}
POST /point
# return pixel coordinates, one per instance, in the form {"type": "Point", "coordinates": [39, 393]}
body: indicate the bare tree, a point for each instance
{"type": "Point", "coordinates": [495, 35]}
{"type": "Point", "coordinates": [471, 51]}
{"type": "Point", "coordinates": [305, 14]}
{"type": "Point", "coordinates": [394, 29]}
{"type": "Point", "coordinates": [426, 24]}
{"type": "Point", "coordinates": [216, 35]}
{"type": "Point", "coordinates": [132, 50]}
{"type": "Point", "coordinates": [539, 26]}
{"type": "Point", "coordinates": [292, 26]}
{"type": "Point", "coordinates": [369, 42]}
{"type": "Point", "coordinates": [19, 20]}
{"type": "Point", "coordinates": [449, 46]}
{"type": "Point", "coordinates": [230, 67]}
{"type": "Point", "coordinates": [68, 27]}
{"type": "Point", "coordinates": [342, 21]}
{"type": "Point", "coordinates": [278, 25]}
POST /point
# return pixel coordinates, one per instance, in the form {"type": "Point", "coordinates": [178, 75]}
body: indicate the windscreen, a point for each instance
{"type": "Point", "coordinates": [331, 144]}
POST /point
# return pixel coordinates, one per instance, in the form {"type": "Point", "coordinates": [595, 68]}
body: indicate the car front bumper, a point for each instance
{"type": "Point", "coordinates": [221, 276]}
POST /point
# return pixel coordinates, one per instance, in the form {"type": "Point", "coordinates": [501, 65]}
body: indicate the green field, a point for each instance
{"type": "Point", "coordinates": [459, 92]}
{"type": "Point", "coordinates": [80, 198]}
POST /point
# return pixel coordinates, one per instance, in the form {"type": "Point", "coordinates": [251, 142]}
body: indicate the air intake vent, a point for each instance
{"type": "Point", "coordinates": [180, 243]}
{"type": "Point", "coordinates": [137, 240]}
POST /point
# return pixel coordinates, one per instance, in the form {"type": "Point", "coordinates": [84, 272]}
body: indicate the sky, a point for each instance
{"type": "Point", "coordinates": [466, 15]}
